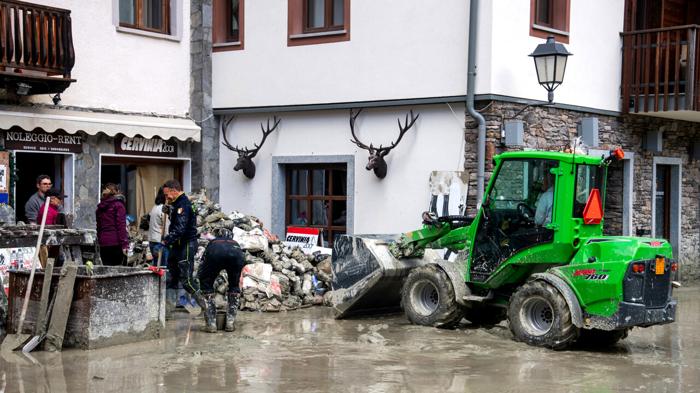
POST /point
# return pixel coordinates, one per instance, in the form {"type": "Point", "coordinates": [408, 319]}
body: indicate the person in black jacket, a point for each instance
{"type": "Point", "coordinates": [222, 253]}
{"type": "Point", "coordinates": [182, 241]}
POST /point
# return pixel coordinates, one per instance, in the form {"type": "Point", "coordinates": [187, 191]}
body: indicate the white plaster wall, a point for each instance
{"type": "Point", "coordinates": [391, 205]}
{"type": "Point", "coordinates": [397, 49]}
{"type": "Point", "coordinates": [593, 73]}
{"type": "Point", "coordinates": [121, 71]}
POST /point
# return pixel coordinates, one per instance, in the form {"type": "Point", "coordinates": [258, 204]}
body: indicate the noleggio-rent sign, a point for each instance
{"type": "Point", "coordinates": [59, 141]}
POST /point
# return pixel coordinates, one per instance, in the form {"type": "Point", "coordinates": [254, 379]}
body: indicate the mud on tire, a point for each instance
{"type": "Point", "coordinates": [428, 298]}
{"type": "Point", "coordinates": [538, 315]}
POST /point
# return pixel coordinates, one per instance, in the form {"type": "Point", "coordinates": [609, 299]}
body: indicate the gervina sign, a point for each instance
{"type": "Point", "coordinates": [305, 238]}
{"type": "Point", "coordinates": [145, 146]}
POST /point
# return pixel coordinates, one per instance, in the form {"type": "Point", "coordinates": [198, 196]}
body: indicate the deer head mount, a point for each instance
{"type": "Point", "coordinates": [245, 155]}
{"type": "Point", "coordinates": [376, 161]}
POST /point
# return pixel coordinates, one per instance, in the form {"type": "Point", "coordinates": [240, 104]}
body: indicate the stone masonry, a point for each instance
{"type": "Point", "coordinates": [205, 155]}
{"type": "Point", "coordinates": [550, 128]}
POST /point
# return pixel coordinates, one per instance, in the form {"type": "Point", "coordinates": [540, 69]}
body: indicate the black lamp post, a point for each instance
{"type": "Point", "coordinates": [550, 63]}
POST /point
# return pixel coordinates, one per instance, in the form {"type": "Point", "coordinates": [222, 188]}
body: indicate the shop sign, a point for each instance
{"type": "Point", "coordinates": [304, 238]}
{"type": "Point", "coordinates": [145, 146]}
{"type": "Point", "coordinates": [57, 142]}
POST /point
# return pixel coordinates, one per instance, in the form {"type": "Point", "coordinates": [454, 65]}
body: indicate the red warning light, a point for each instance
{"type": "Point", "coordinates": [618, 153]}
{"type": "Point", "coordinates": [593, 212]}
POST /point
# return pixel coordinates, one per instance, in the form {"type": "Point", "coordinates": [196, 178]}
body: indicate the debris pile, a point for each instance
{"type": "Point", "coordinates": [276, 277]}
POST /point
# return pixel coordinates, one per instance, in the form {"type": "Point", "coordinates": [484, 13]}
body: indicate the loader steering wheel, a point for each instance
{"type": "Point", "coordinates": [526, 213]}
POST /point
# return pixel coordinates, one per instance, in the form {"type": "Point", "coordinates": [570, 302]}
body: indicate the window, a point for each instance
{"type": "Point", "coordinates": [516, 215]}
{"type": "Point", "coordinates": [150, 15]}
{"type": "Point", "coordinates": [550, 17]}
{"type": "Point", "coordinates": [227, 31]}
{"type": "Point", "coordinates": [316, 197]}
{"type": "Point", "coordinates": [323, 15]}
{"type": "Point", "coordinates": [588, 177]}
{"type": "Point", "coordinates": [318, 21]}
{"type": "Point", "coordinates": [663, 202]}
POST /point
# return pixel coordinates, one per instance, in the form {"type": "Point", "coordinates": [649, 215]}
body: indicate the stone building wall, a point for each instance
{"type": "Point", "coordinates": [549, 128]}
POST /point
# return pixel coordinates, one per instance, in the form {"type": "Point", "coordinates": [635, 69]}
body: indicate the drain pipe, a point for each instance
{"type": "Point", "coordinates": [471, 76]}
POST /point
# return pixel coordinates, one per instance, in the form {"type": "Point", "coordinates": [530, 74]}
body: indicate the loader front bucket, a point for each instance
{"type": "Point", "coordinates": [367, 279]}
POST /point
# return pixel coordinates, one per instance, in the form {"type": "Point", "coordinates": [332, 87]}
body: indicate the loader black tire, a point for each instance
{"type": "Point", "coordinates": [597, 338]}
{"type": "Point", "coordinates": [538, 315]}
{"type": "Point", "coordinates": [428, 298]}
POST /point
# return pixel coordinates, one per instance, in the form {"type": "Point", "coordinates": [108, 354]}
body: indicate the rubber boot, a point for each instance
{"type": "Point", "coordinates": [209, 311]}
{"type": "Point", "coordinates": [231, 311]}
{"type": "Point", "coordinates": [197, 296]}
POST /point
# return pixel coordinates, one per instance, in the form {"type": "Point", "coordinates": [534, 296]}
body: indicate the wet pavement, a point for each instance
{"type": "Point", "coordinates": [309, 351]}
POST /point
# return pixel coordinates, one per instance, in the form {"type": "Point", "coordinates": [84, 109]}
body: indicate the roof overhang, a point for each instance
{"type": "Point", "coordinates": [92, 123]}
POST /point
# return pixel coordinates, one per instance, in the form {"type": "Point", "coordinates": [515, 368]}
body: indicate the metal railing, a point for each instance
{"type": "Point", "coordinates": [35, 37]}
{"type": "Point", "coordinates": [660, 69]}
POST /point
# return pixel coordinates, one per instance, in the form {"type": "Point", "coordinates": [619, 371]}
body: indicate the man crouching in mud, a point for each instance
{"type": "Point", "coordinates": [182, 238]}
{"type": "Point", "coordinates": [222, 253]}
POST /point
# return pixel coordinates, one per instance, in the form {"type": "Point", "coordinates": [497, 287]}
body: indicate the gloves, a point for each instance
{"type": "Point", "coordinates": [88, 268]}
{"type": "Point", "coordinates": [159, 271]}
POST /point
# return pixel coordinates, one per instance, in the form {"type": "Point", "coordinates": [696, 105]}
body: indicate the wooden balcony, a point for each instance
{"type": "Point", "coordinates": [36, 48]}
{"type": "Point", "coordinates": [660, 72]}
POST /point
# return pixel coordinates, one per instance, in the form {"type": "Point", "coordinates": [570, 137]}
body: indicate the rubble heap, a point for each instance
{"type": "Point", "coordinates": [276, 277]}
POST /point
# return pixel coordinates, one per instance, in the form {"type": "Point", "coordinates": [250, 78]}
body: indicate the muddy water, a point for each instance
{"type": "Point", "coordinates": [310, 351]}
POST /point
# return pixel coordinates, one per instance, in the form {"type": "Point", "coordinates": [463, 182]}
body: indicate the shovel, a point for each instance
{"type": "Point", "coordinates": [18, 339]}
{"type": "Point", "coordinates": [40, 335]}
{"type": "Point", "coordinates": [44, 312]}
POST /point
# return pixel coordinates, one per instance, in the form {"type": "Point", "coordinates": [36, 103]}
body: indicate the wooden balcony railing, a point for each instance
{"type": "Point", "coordinates": [35, 37]}
{"type": "Point", "coordinates": [660, 70]}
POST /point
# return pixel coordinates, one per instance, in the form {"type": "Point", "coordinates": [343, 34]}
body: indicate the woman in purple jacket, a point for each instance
{"type": "Point", "coordinates": [111, 226]}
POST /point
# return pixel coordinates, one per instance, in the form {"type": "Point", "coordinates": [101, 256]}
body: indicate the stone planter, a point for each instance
{"type": "Point", "coordinates": [114, 305]}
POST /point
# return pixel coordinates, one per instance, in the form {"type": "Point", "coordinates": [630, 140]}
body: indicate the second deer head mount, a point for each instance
{"type": "Point", "coordinates": [376, 154]}
{"type": "Point", "coordinates": [245, 155]}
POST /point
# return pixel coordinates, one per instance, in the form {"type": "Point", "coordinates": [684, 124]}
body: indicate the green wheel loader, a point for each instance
{"type": "Point", "coordinates": [534, 254]}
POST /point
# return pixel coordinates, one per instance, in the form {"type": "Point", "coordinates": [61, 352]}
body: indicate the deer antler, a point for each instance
{"type": "Point", "coordinates": [383, 151]}
{"type": "Point", "coordinates": [265, 131]}
{"type": "Point", "coordinates": [355, 139]}
{"type": "Point", "coordinates": [224, 125]}
{"type": "Point", "coordinates": [245, 151]}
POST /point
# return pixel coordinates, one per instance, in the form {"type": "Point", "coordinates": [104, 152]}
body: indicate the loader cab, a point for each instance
{"type": "Point", "coordinates": [518, 212]}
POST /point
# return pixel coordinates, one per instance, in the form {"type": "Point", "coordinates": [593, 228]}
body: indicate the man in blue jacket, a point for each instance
{"type": "Point", "coordinates": [182, 240]}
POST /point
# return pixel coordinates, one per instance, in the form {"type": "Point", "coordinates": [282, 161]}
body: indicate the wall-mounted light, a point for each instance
{"type": "Point", "coordinates": [550, 64]}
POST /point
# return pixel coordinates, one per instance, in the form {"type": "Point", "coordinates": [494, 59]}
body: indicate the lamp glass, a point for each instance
{"type": "Point", "coordinates": [561, 67]}
{"type": "Point", "coordinates": [541, 66]}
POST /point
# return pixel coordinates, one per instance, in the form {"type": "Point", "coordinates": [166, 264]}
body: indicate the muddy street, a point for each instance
{"type": "Point", "coordinates": [309, 351]}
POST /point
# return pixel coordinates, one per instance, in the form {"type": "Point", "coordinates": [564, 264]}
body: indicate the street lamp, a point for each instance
{"type": "Point", "coordinates": [550, 63]}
